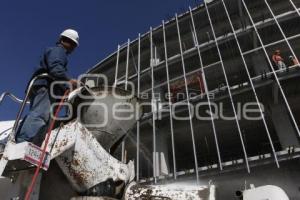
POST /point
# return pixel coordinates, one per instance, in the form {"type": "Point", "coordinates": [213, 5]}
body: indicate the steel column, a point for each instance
{"type": "Point", "coordinates": [126, 86]}
{"type": "Point", "coordinates": [206, 90]}
{"type": "Point", "coordinates": [127, 64]}
{"type": "Point", "coordinates": [294, 6]}
{"type": "Point", "coordinates": [188, 100]}
{"type": "Point", "coordinates": [138, 122]}
{"type": "Point", "coordinates": [154, 112]}
{"type": "Point", "coordinates": [117, 67]}
{"type": "Point", "coordinates": [170, 103]}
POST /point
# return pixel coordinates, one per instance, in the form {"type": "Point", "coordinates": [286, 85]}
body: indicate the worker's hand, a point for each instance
{"type": "Point", "coordinates": [74, 83]}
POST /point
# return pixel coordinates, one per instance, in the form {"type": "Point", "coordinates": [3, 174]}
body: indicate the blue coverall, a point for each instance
{"type": "Point", "coordinates": [34, 125]}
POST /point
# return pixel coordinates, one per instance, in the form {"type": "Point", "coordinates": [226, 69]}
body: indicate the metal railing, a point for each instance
{"type": "Point", "coordinates": [23, 103]}
{"type": "Point", "coordinates": [13, 97]}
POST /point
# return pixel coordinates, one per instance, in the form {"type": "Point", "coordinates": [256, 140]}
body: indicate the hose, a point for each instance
{"type": "Point", "coordinates": [42, 157]}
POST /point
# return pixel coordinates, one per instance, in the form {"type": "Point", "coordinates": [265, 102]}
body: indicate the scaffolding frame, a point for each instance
{"type": "Point", "coordinates": [227, 36]}
{"type": "Point", "coordinates": [229, 91]}
{"type": "Point", "coordinates": [197, 51]}
{"type": "Point", "coordinates": [252, 86]}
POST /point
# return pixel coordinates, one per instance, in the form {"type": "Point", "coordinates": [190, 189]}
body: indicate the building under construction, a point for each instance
{"type": "Point", "coordinates": [217, 55]}
{"type": "Point", "coordinates": [218, 86]}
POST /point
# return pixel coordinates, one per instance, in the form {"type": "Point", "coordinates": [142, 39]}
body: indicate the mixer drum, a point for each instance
{"type": "Point", "coordinates": [108, 113]}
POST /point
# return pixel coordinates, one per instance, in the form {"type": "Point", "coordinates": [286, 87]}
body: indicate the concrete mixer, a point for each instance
{"type": "Point", "coordinates": [79, 163]}
{"type": "Point", "coordinates": [82, 149]}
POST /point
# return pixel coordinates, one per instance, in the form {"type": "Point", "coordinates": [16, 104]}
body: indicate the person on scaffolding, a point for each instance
{"type": "Point", "coordinates": [54, 62]}
{"type": "Point", "coordinates": [278, 60]}
{"type": "Point", "coordinates": [294, 61]}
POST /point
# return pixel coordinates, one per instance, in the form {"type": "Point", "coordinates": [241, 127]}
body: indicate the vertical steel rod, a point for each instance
{"type": "Point", "coordinates": [127, 64]}
{"type": "Point", "coordinates": [206, 90]}
{"type": "Point", "coordinates": [170, 103]}
{"type": "Point", "coordinates": [228, 86]}
{"type": "Point", "coordinates": [138, 122]}
{"type": "Point", "coordinates": [292, 51]}
{"type": "Point", "coordinates": [117, 67]}
{"type": "Point", "coordinates": [272, 68]}
{"type": "Point", "coordinates": [252, 85]}
{"type": "Point", "coordinates": [188, 100]}
{"type": "Point", "coordinates": [154, 112]}
{"type": "Point", "coordinates": [294, 6]}
{"type": "Point", "coordinates": [126, 86]}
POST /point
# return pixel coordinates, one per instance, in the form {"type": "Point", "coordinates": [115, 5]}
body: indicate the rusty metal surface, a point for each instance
{"type": "Point", "coordinates": [84, 161]}
{"type": "Point", "coordinates": [62, 140]}
{"type": "Point", "coordinates": [167, 192]}
{"type": "Point", "coordinates": [92, 198]}
{"type": "Point", "coordinates": [81, 150]}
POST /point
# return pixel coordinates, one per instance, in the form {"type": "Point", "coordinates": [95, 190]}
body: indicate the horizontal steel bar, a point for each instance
{"type": "Point", "coordinates": [222, 39]}
{"type": "Point", "coordinates": [234, 165]}
{"type": "Point", "coordinates": [256, 80]}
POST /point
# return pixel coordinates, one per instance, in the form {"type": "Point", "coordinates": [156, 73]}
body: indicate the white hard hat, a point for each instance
{"type": "Point", "coordinates": [71, 34]}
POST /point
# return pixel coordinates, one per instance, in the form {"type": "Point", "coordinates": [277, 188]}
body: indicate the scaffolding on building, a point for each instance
{"type": "Point", "coordinates": [225, 45]}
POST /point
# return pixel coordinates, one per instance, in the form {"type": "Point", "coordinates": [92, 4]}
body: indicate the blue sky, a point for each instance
{"type": "Point", "coordinates": [27, 27]}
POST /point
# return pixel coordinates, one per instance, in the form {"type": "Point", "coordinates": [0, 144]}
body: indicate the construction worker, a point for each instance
{"type": "Point", "coordinates": [54, 62]}
{"type": "Point", "coordinates": [294, 61]}
{"type": "Point", "coordinates": [278, 60]}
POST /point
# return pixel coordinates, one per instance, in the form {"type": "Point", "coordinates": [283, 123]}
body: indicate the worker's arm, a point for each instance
{"type": "Point", "coordinates": [57, 61]}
